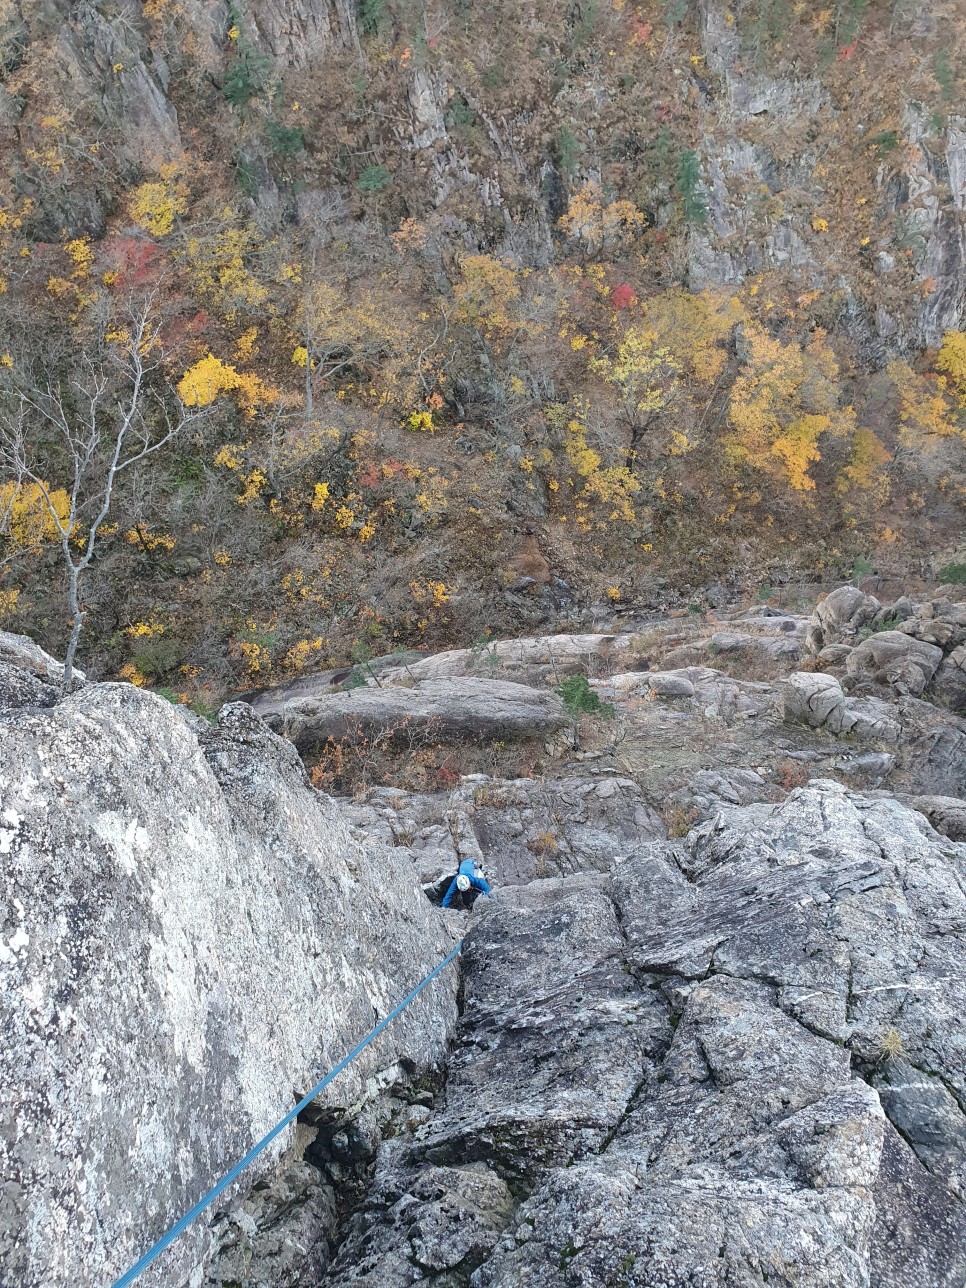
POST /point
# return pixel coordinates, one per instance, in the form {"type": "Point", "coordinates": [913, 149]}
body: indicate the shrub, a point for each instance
{"type": "Point", "coordinates": [284, 140]}
{"type": "Point", "coordinates": [157, 656]}
{"type": "Point", "coordinates": [580, 699]}
{"type": "Point", "coordinates": [374, 178]}
{"type": "Point", "coordinates": [373, 15]}
{"type": "Point", "coordinates": [953, 574]}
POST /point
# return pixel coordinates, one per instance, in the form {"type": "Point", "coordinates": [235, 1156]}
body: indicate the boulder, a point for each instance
{"type": "Point", "coordinates": [812, 698]}
{"type": "Point", "coordinates": [839, 617]}
{"type": "Point", "coordinates": [22, 652]}
{"type": "Point", "coordinates": [902, 609]}
{"type": "Point", "coordinates": [434, 1222]}
{"type": "Point", "coordinates": [371, 671]}
{"type": "Point", "coordinates": [283, 1229]}
{"type": "Point", "coordinates": [777, 644]}
{"type": "Point", "coordinates": [819, 701]}
{"type": "Point", "coordinates": [890, 657]}
{"type": "Point", "coordinates": [949, 683]}
{"type": "Point", "coordinates": [549, 1058]}
{"type": "Point", "coordinates": [191, 938]}
{"type": "Point", "coordinates": [665, 684]}
{"type": "Point", "coordinates": [938, 621]}
{"type": "Point", "coordinates": [452, 710]}
{"type": "Point", "coordinates": [947, 814]}
{"type": "Point", "coordinates": [532, 828]}
{"type": "Point", "coordinates": [28, 675]}
{"type": "Point", "coordinates": [835, 654]}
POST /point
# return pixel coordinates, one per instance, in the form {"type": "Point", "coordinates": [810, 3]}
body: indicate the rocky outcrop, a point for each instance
{"type": "Point", "coordinates": [739, 1059]}
{"type": "Point", "coordinates": [950, 679]}
{"type": "Point", "coordinates": [897, 659]}
{"type": "Point", "coordinates": [106, 59]}
{"type": "Point", "coordinates": [684, 1054]}
{"type": "Point", "coordinates": [820, 702]}
{"type": "Point", "coordinates": [903, 648]}
{"type": "Point", "coordinates": [839, 617]}
{"type": "Point", "coordinates": [190, 937]}
{"type": "Point", "coordinates": [528, 661]}
{"type": "Point", "coordinates": [517, 829]}
{"type": "Point", "coordinates": [947, 814]}
{"type": "Point", "coordinates": [297, 32]}
{"type": "Point", "coordinates": [28, 675]}
{"type": "Point", "coordinates": [466, 709]}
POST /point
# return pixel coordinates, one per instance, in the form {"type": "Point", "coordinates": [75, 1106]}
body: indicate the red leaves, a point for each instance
{"type": "Point", "coordinates": [640, 31]}
{"type": "Point", "coordinates": [373, 474]}
{"type": "Point", "coordinates": [136, 261]}
{"type": "Point", "coordinates": [622, 297]}
{"type": "Point", "coordinates": [847, 51]}
{"type": "Point", "coordinates": [666, 111]}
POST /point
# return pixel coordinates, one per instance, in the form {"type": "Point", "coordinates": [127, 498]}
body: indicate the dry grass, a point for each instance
{"type": "Point", "coordinates": [891, 1045]}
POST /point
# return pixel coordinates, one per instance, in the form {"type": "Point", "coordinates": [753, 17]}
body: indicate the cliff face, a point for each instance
{"type": "Point", "coordinates": [190, 938]}
{"type": "Point", "coordinates": [724, 1052]}
{"type": "Point", "coordinates": [579, 249]}
{"type": "Point", "coordinates": [801, 144]}
{"type": "Point", "coordinates": [689, 1071]}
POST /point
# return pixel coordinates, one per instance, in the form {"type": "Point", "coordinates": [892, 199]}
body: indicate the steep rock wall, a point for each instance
{"type": "Point", "coordinates": [737, 1059]}
{"type": "Point", "coordinates": [189, 939]}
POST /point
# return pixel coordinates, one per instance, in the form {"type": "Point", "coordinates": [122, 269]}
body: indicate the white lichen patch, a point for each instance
{"type": "Point", "coordinates": [18, 940]}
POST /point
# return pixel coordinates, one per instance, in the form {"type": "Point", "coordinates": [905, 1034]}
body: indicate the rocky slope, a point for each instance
{"type": "Point", "coordinates": [736, 1059]}
{"type": "Point", "coordinates": [710, 1024]}
{"type": "Point", "coordinates": [189, 938]}
{"type": "Point", "coordinates": [777, 125]}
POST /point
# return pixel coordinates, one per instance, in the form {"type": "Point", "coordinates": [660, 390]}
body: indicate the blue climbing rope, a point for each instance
{"type": "Point", "coordinates": [156, 1249]}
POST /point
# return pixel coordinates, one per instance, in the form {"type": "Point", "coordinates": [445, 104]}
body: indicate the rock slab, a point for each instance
{"type": "Point", "coordinates": [189, 939]}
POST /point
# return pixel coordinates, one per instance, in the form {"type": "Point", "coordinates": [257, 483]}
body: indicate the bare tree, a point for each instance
{"type": "Point", "coordinates": [73, 439]}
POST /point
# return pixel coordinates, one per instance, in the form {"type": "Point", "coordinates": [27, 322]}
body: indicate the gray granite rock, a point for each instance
{"type": "Point", "coordinates": [737, 1060]}
{"type": "Point", "coordinates": [189, 938]}
{"type": "Point", "coordinates": [950, 680]}
{"type": "Point", "coordinates": [838, 618]}
{"type": "Point", "coordinates": [881, 655]}
{"type": "Point", "coordinates": [464, 709]}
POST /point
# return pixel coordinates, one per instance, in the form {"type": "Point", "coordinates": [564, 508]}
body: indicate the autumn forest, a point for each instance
{"type": "Point", "coordinates": [427, 320]}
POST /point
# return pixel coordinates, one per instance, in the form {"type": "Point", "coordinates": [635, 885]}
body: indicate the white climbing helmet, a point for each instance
{"type": "Point", "coordinates": [463, 881]}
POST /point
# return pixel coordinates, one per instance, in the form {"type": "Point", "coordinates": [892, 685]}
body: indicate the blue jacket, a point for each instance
{"type": "Point", "coordinates": [467, 869]}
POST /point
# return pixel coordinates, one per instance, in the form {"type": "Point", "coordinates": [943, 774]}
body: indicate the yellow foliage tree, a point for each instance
{"type": "Point", "coordinates": [925, 414]}
{"type": "Point", "coordinates": [692, 325]}
{"type": "Point", "coordinates": [210, 377]}
{"type": "Point", "coordinates": [952, 360]}
{"type": "Point", "coordinates": [221, 265]}
{"type": "Point", "coordinates": [646, 374]}
{"type": "Point", "coordinates": [598, 225]}
{"type": "Point", "coordinates": [783, 403]}
{"type": "Point", "coordinates": [613, 487]}
{"type": "Point", "coordinates": [487, 296]}
{"type": "Point", "coordinates": [364, 329]}
{"type": "Point", "coordinates": [155, 206]}
{"type": "Point", "coordinates": [27, 514]}
{"type": "Point", "coordinates": [865, 472]}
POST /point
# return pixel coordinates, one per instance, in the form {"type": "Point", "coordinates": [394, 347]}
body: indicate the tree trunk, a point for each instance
{"type": "Point", "coordinates": [77, 615]}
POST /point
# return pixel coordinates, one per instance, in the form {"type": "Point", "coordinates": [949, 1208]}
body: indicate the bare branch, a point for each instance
{"type": "Point", "coordinates": [101, 427]}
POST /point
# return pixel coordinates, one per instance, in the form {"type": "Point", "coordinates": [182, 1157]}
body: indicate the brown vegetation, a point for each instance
{"type": "Point", "coordinates": [401, 390]}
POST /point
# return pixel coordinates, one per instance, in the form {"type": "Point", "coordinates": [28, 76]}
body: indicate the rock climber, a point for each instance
{"type": "Point", "coordinates": [467, 885]}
